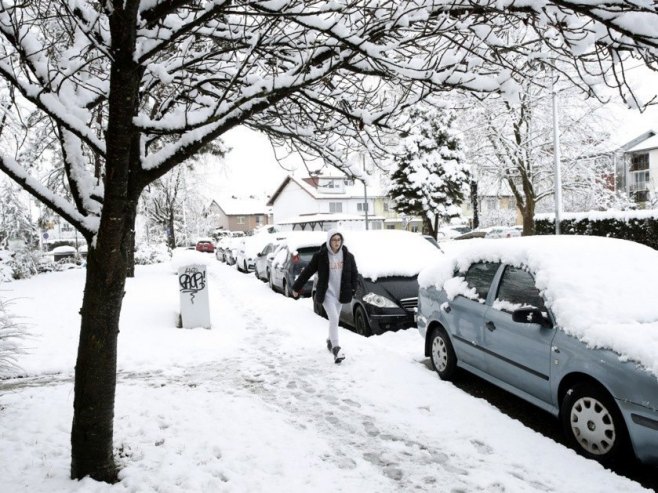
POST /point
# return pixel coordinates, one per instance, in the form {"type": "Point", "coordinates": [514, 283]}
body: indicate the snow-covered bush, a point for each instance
{"type": "Point", "coordinates": [11, 334]}
{"type": "Point", "coordinates": [18, 265]}
{"type": "Point", "coordinates": [152, 254]}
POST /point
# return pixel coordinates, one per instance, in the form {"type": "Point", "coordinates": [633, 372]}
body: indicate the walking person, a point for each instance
{"type": "Point", "coordinates": [337, 282]}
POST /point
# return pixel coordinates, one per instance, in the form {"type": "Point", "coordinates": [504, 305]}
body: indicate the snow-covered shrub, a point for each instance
{"type": "Point", "coordinates": [18, 265]}
{"type": "Point", "coordinates": [152, 254]}
{"type": "Point", "coordinates": [11, 334]}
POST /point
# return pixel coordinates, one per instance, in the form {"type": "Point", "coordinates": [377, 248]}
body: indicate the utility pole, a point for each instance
{"type": "Point", "coordinates": [556, 154]}
{"type": "Point", "coordinates": [365, 188]}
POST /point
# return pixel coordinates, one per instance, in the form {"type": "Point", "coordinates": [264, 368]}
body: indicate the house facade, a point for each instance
{"type": "Point", "coordinates": [637, 171]}
{"type": "Point", "coordinates": [233, 214]}
{"type": "Point", "coordinates": [319, 202]}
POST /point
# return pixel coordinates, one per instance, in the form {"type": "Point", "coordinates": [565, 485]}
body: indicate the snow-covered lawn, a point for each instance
{"type": "Point", "coordinates": [256, 404]}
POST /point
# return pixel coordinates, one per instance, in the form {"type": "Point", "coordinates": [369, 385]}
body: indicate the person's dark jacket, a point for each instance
{"type": "Point", "coordinates": [320, 264]}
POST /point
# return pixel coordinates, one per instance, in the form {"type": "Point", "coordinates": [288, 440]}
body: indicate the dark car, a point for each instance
{"type": "Point", "coordinates": [293, 255]}
{"type": "Point", "coordinates": [205, 246]}
{"type": "Point", "coordinates": [387, 294]}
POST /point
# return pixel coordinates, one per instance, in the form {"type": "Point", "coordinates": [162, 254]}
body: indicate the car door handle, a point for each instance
{"type": "Point", "coordinates": [490, 326]}
{"type": "Point", "coordinates": [446, 307]}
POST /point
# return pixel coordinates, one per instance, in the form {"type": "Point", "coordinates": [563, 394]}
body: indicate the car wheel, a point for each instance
{"type": "Point", "coordinates": [592, 423]}
{"type": "Point", "coordinates": [271, 283]}
{"type": "Point", "coordinates": [267, 275]}
{"type": "Point", "coordinates": [361, 322]}
{"type": "Point", "coordinates": [443, 358]}
{"type": "Point", "coordinates": [244, 266]}
{"type": "Point", "coordinates": [286, 290]}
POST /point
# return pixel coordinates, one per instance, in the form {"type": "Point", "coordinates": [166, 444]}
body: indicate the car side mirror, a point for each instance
{"type": "Point", "coordinates": [529, 316]}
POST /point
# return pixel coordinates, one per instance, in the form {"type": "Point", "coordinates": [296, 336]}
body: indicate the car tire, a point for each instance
{"type": "Point", "coordinates": [244, 266]}
{"type": "Point", "coordinates": [271, 283]}
{"type": "Point", "coordinates": [593, 424]}
{"type": "Point", "coordinates": [442, 355]}
{"type": "Point", "coordinates": [267, 275]}
{"type": "Point", "coordinates": [286, 290]}
{"type": "Point", "coordinates": [361, 324]}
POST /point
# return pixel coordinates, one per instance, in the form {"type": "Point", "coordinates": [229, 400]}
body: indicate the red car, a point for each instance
{"type": "Point", "coordinates": [205, 246]}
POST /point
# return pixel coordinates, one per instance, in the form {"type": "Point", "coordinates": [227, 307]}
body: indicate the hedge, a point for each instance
{"type": "Point", "coordinates": [639, 226]}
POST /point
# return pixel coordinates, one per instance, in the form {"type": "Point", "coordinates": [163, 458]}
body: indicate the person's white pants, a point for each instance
{"type": "Point", "coordinates": [332, 306]}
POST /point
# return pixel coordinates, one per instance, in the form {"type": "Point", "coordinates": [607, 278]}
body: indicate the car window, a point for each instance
{"type": "Point", "coordinates": [516, 290]}
{"type": "Point", "coordinates": [479, 276]}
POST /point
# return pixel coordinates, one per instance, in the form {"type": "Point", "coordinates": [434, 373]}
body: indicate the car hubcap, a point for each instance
{"type": "Point", "coordinates": [593, 426]}
{"type": "Point", "coordinates": [440, 353]}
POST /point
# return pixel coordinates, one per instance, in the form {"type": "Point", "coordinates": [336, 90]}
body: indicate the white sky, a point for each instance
{"type": "Point", "coordinates": [250, 168]}
{"type": "Point", "coordinates": [257, 404]}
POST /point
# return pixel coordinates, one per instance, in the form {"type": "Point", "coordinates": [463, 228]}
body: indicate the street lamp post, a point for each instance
{"type": "Point", "coordinates": [556, 154]}
{"type": "Point", "coordinates": [365, 189]}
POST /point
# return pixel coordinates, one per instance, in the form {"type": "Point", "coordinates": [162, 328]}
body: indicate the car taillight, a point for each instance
{"type": "Point", "coordinates": [295, 259]}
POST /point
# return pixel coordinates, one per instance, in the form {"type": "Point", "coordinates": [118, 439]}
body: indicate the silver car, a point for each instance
{"type": "Point", "coordinates": [487, 315]}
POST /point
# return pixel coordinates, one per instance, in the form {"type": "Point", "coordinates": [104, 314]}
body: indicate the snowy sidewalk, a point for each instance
{"type": "Point", "coordinates": [257, 404]}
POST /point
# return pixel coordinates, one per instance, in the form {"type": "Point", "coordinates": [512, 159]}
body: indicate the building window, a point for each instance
{"type": "Point", "coordinates": [362, 206]}
{"type": "Point", "coordinates": [335, 207]}
{"type": "Point", "coordinates": [639, 162]}
{"type": "Point", "coordinates": [386, 206]}
{"type": "Point", "coordinates": [240, 219]}
{"type": "Point", "coordinates": [490, 203]}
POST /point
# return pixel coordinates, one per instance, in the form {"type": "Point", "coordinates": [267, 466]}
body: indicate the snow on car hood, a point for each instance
{"type": "Point", "coordinates": [385, 253]}
{"type": "Point", "coordinates": [603, 291]}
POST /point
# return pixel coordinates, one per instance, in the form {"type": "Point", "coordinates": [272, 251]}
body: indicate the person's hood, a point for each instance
{"type": "Point", "coordinates": [330, 233]}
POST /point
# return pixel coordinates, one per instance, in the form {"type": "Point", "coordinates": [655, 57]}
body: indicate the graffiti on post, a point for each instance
{"type": "Point", "coordinates": [192, 281]}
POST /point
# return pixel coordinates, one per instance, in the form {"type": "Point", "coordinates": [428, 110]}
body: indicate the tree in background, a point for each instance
{"type": "Point", "coordinates": [126, 90]}
{"type": "Point", "coordinates": [15, 219]}
{"type": "Point", "coordinates": [430, 178]}
{"type": "Point", "coordinates": [511, 145]}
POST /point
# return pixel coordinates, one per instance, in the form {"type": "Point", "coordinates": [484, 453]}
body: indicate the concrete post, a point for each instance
{"type": "Point", "coordinates": [194, 305]}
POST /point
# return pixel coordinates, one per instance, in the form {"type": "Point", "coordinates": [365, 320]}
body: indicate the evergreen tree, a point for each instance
{"type": "Point", "coordinates": [431, 178]}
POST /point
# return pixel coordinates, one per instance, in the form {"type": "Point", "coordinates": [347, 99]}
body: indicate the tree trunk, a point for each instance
{"type": "Point", "coordinates": [130, 250]}
{"type": "Point", "coordinates": [107, 266]}
{"type": "Point", "coordinates": [474, 203]}
{"type": "Point", "coordinates": [528, 215]}
{"type": "Point", "coordinates": [95, 369]}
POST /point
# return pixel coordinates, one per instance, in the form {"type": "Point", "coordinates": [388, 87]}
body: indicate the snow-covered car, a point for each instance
{"type": "Point", "coordinates": [291, 257]}
{"type": "Point", "coordinates": [568, 323]}
{"type": "Point", "coordinates": [387, 293]}
{"type": "Point", "coordinates": [502, 232]}
{"type": "Point", "coordinates": [250, 247]}
{"type": "Point", "coordinates": [263, 262]}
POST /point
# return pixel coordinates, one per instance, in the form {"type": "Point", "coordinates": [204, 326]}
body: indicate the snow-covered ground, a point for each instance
{"type": "Point", "coordinates": [256, 404]}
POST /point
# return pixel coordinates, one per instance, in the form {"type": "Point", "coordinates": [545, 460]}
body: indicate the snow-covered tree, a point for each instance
{"type": "Point", "coordinates": [15, 218]}
{"type": "Point", "coordinates": [431, 178]}
{"type": "Point", "coordinates": [123, 91]}
{"type": "Point", "coordinates": [512, 144]}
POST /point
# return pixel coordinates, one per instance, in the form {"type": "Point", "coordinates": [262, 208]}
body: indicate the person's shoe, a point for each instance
{"type": "Point", "coordinates": [329, 344]}
{"type": "Point", "coordinates": [338, 354]}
